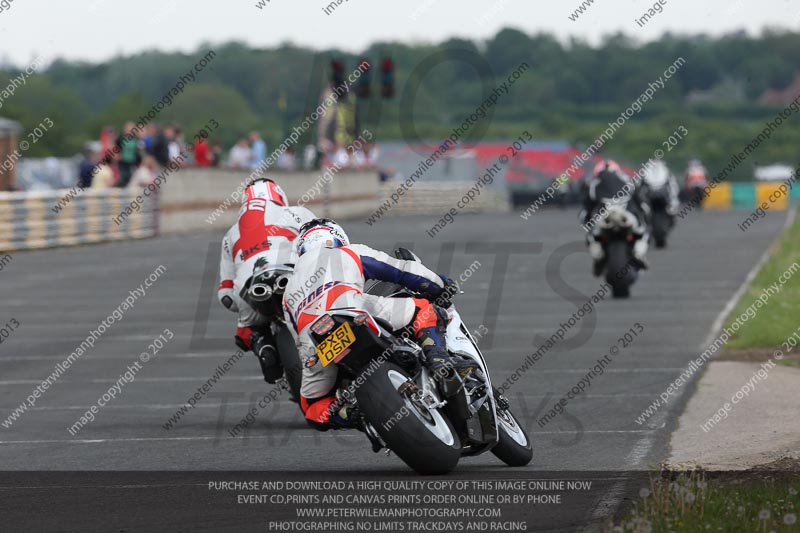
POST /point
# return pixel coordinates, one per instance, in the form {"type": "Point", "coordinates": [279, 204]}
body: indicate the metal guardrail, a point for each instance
{"type": "Point", "coordinates": [28, 220]}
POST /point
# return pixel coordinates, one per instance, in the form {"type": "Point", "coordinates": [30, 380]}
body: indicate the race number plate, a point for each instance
{"type": "Point", "coordinates": [335, 344]}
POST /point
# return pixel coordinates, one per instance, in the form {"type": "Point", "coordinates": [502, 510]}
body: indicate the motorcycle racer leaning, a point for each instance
{"type": "Point", "coordinates": [330, 273]}
{"type": "Point", "coordinates": [610, 182]}
{"type": "Point", "coordinates": [696, 181]}
{"type": "Point", "coordinates": [658, 176]}
{"type": "Point", "coordinates": [265, 230]}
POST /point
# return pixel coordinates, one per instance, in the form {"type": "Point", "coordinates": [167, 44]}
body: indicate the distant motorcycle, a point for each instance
{"type": "Point", "coordinates": [662, 196]}
{"type": "Point", "coordinates": [660, 219]}
{"type": "Point", "coordinates": [696, 196]}
{"type": "Point", "coordinates": [398, 398]}
{"type": "Point", "coordinates": [696, 182]}
{"type": "Point", "coordinates": [615, 234]}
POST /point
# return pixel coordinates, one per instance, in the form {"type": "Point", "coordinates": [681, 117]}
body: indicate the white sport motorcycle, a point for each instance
{"type": "Point", "coordinates": [398, 399]}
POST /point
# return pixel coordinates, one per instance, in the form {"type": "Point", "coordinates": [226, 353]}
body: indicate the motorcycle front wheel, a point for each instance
{"type": "Point", "coordinates": [660, 229]}
{"type": "Point", "coordinates": [422, 437]}
{"type": "Point", "coordinates": [513, 446]}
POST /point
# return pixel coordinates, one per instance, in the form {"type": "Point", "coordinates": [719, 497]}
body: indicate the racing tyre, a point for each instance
{"type": "Point", "coordinates": [423, 438]}
{"type": "Point", "coordinates": [618, 269]}
{"type": "Point", "coordinates": [513, 446]}
{"type": "Point", "coordinates": [660, 227]}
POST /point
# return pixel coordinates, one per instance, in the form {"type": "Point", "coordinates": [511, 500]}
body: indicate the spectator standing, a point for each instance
{"type": "Point", "coordinates": [240, 155]}
{"type": "Point", "coordinates": [340, 157]}
{"type": "Point", "coordinates": [86, 168]}
{"type": "Point", "coordinates": [359, 159]}
{"type": "Point", "coordinates": [145, 174]}
{"type": "Point", "coordinates": [104, 176]}
{"type": "Point", "coordinates": [149, 138]}
{"type": "Point", "coordinates": [258, 150]}
{"type": "Point", "coordinates": [216, 155]}
{"type": "Point", "coordinates": [175, 144]}
{"type": "Point", "coordinates": [310, 157]}
{"type": "Point", "coordinates": [107, 137]}
{"type": "Point", "coordinates": [202, 154]}
{"type": "Point", "coordinates": [129, 156]}
{"type": "Point", "coordinates": [286, 160]}
{"type": "Point", "coordinates": [372, 155]}
{"type": "Point", "coordinates": [161, 146]}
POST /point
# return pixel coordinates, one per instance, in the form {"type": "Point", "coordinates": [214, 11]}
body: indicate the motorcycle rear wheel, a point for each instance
{"type": "Point", "coordinates": [423, 438]}
{"type": "Point", "coordinates": [660, 228]}
{"type": "Point", "coordinates": [618, 268]}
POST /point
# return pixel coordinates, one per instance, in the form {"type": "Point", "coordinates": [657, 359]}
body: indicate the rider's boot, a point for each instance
{"type": "Point", "coordinates": [343, 414]}
{"type": "Point", "coordinates": [447, 370]}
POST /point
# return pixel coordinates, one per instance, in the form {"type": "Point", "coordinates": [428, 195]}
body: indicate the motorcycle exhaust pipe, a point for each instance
{"type": "Point", "coordinates": [281, 283]}
{"type": "Point", "coordinates": [260, 292]}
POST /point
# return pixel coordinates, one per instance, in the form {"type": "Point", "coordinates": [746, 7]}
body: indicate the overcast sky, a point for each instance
{"type": "Point", "coordinates": [96, 30]}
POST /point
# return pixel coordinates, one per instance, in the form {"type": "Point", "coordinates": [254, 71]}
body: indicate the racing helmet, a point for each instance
{"type": "Point", "coordinates": [606, 165]}
{"type": "Point", "coordinates": [267, 189]}
{"type": "Point", "coordinates": [656, 173]}
{"type": "Point", "coordinates": [318, 233]}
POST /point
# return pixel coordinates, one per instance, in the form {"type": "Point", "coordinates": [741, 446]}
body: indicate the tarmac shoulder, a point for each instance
{"type": "Point", "coordinates": [742, 416]}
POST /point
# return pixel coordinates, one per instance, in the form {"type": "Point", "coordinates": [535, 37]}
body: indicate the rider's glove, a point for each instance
{"type": "Point", "coordinates": [444, 299]}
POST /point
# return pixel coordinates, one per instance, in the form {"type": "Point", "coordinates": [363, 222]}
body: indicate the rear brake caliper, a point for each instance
{"type": "Point", "coordinates": [411, 391]}
{"type": "Point", "coordinates": [408, 388]}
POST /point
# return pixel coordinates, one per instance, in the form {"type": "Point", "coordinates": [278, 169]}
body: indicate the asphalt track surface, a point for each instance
{"type": "Point", "coordinates": [57, 296]}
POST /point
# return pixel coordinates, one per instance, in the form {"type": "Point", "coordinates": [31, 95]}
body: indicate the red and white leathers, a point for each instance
{"type": "Point", "coordinates": [333, 278]}
{"type": "Point", "coordinates": [264, 229]}
{"type": "Point", "coordinates": [696, 176]}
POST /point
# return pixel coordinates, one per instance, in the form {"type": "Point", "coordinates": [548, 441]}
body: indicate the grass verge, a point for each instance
{"type": "Point", "coordinates": [779, 318]}
{"type": "Point", "coordinates": [730, 502]}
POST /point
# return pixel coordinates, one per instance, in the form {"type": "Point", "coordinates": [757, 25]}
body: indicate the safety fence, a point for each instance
{"type": "Point", "coordinates": [727, 196]}
{"type": "Point", "coordinates": [29, 220]}
{"type": "Point", "coordinates": [205, 200]}
{"type": "Point", "coordinates": [209, 199]}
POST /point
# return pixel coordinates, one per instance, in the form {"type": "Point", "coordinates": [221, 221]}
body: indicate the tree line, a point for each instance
{"type": "Point", "coordinates": [723, 94]}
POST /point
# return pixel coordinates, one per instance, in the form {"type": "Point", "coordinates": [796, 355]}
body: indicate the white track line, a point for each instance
{"type": "Point", "coordinates": [152, 406]}
{"type": "Point", "coordinates": [186, 355]}
{"type": "Point", "coordinates": [155, 406]}
{"type": "Point", "coordinates": [259, 437]}
{"type": "Point", "coordinates": [202, 379]}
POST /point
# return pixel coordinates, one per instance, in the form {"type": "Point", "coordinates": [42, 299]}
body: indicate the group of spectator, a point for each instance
{"type": "Point", "coordinates": [364, 157]}
{"type": "Point", "coordinates": [248, 154]}
{"type": "Point", "coordinates": [134, 156]}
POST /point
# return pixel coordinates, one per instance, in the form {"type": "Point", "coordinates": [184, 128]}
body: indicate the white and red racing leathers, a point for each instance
{"type": "Point", "coordinates": [264, 229]}
{"type": "Point", "coordinates": [333, 278]}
